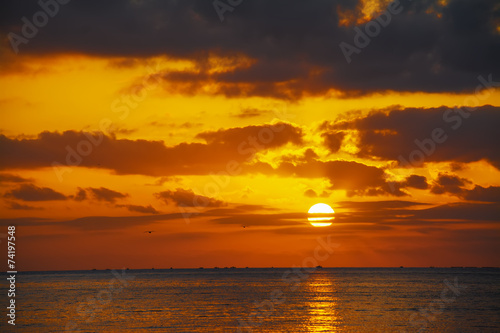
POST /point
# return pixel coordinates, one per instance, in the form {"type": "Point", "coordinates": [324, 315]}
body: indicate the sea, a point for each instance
{"type": "Point", "coordinates": [256, 300]}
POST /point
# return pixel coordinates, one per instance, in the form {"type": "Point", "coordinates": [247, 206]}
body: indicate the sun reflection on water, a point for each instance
{"type": "Point", "coordinates": [323, 304]}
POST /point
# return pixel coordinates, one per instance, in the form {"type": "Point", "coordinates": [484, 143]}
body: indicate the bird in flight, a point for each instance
{"type": "Point", "coordinates": [149, 231]}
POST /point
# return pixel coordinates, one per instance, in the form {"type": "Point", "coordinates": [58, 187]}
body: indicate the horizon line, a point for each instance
{"type": "Point", "coordinates": [240, 268]}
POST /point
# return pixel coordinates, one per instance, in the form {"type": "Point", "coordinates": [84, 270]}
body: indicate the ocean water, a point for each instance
{"type": "Point", "coordinates": [258, 300]}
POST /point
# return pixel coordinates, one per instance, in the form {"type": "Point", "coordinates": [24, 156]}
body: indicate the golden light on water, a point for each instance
{"type": "Point", "coordinates": [323, 305]}
{"type": "Point", "coordinates": [326, 215]}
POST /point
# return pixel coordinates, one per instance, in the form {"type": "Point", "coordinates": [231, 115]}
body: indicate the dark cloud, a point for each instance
{"type": "Point", "coordinates": [352, 229]}
{"type": "Point", "coordinates": [277, 219]}
{"type": "Point", "coordinates": [451, 184]}
{"type": "Point", "coordinates": [10, 178]}
{"type": "Point", "coordinates": [251, 208]}
{"type": "Point", "coordinates": [145, 157]}
{"type": "Point", "coordinates": [388, 188]}
{"type": "Point", "coordinates": [185, 125]}
{"type": "Point", "coordinates": [333, 141]}
{"type": "Point", "coordinates": [30, 192]}
{"type": "Point", "coordinates": [461, 211]}
{"type": "Point", "coordinates": [416, 181]}
{"type": "Point", "coordinates": [18, 206]}
{"type": "Point", "coordinates": [310, 193]}
{"type": "Point", "coordinates": [123, 131]}
{"type": "Point", "coordinates": [80, 195]}
{"type": "Point", "coordinates": [239, 209]}
{"type": "Point", "coordinates": [105, 194]}
{"type": "Point", "coordinates": [162, 180]}
{"type": "Point", "coordinates": [140, 209]}
{"type": "Point", "coordinates": [405, 213]}
{"type": "Point", "coordinates": [118, 222]}
{"type": "Point", "coordinates": [266, 136]}
{"type": "Point", "coordinates": [26, 221]}
{"type": "Point", "coordinates": [294, 44]}
{"type": "Point", "coordinates": [457, 186]}
{"type": "Point", "coordinates": [308, 155]}
{"type": "Point", "coordinates": [325, 194]}
{"type": "Point", "coordinates": [356, 178]}
{"type": "Point", "coordinates": [97, 223]}
{"type": "Point", "coordinates": [457, 166]}
{"type": "Point", "coordinates": [250, 113]}
{"type": "Point", "coordinates": [343, 174]}
{"type": "Point", "coordinates": [414, 136]}
{"type": "Point", "coordinates": [479, 193]}
{"type": "Point", "coordinates": [187, 198]}
{"type": "Point", "coordinates": [378, 205]}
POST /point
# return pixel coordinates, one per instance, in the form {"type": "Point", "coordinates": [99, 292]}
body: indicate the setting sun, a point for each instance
{"type": "Point", "coordinates": [323, 221]}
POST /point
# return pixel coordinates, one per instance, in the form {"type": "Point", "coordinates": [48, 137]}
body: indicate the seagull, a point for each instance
{"type": "Point", "coordinates": [149, 231]}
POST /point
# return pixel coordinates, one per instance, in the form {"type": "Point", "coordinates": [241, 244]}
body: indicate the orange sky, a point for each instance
{"type": "Point", "coordinates": [98, 148]}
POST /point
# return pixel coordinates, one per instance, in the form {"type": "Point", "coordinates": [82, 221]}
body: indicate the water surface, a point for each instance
{"type": "Point", "coordinates": [259, 300]}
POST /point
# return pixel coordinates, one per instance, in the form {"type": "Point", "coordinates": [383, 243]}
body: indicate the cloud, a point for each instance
{"type": "Point", "coordinates": [80, 195]}
{"type": "Point", "coordinates": [165, 179]}
{"type": "Point", "coordinates": [266, 136]}
{"type": "Point", "coordinates": [269, 220]}
{"type": "Point", "coordinates": [185, 125]}
{"type": "Point", "coordinates": [408, 213]}
{"type": "Point", "coordinates": [310, 193]}
{"type": "Point", "coordinates": [457, 186]}
{"type": "Point", "coordinates": [461, 211]}
{"type": "Point", "coordinates": [153, 158]}
{"type": "Point", "coordinates": [10, 178]}
{"type": "Point", "coordinates": [30, 192]}
{"type": "Point", "coordinates": [333, 141]}
{"type": "Point", "coordinates": [308, 155]}
{"type": "Point", "coordinates": [378, 205]}
{"type": "Point", "coordinates": [97, 223]}
{"type": "Point", "coordinates": [118, 222]}
{"type": "Point", "coordinates": [416, 181]}
{"type": "Point", "coordinates": [140, 209]}
{"type": "Point", "coordinates": [26, 221]}
{"type": "Point", "coordinates": [479, 193]}
{"type": "Point", "coordinates": [451, 184]}
{"type": "Point", "coordinates": [294, 45]}
{"type": "Point", "coordinates": [356, 178]}
{"type": "Point", "coordinates": [187, 198]}
{"type": "Point", "coordinates": [406, 135]}
{"type": "Point", "coordinates": [105, 194]}
{"type": "Point", "coordinates": [123, 131]}
{"type": "Point", "coordinates": [325, 194]}
{"type": "Point", "coordinates": [18, 206]}
{"type": "Point", "coordinates": [250, 113]}
{"type": "Point", "coordinates": [251, 208]}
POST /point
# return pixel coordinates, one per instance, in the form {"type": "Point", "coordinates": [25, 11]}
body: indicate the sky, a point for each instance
{"type": "Point", "coordinates": [196, 133]}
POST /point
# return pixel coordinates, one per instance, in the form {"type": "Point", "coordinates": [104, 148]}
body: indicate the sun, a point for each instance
{"type": "Point", "coordinates": [326, 215]}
